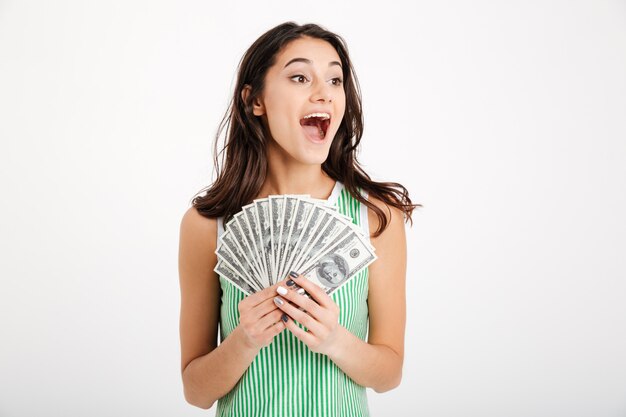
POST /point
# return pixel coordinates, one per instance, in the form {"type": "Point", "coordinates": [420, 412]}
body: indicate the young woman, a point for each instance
{"type": "Point", "coordinates": [266, 364]}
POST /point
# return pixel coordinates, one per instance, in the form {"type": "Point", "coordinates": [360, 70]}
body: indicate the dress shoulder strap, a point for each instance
{"type": "Point", "coordinates": [364, 220]}
{"type": "Point", "coordinates": [220, 226]}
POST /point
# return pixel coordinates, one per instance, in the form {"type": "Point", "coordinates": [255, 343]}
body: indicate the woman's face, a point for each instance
{"type": "Point", "coordinates": [306, 78]}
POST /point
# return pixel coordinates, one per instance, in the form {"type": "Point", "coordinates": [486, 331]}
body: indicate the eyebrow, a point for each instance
{"type": "Point", "coordinates": [308, 61]}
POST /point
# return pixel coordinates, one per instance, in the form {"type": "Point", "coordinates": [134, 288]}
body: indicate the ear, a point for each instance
{"type": "Point", "coordinates": [258, 108]}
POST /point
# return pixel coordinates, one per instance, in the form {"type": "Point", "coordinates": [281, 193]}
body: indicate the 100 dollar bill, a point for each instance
{"type": "Point", "coordinates": [340, 262]}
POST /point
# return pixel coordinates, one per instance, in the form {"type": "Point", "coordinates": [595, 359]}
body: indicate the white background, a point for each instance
{"type": "Point", "coordinates": [506, 120]}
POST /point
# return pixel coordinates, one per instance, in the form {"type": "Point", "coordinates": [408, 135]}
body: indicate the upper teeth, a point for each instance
{"type": "Point", "coordinates": [322, 115]}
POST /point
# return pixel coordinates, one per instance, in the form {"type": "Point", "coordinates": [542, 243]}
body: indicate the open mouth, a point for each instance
{"type": "Point", "coordinates": [315, 126]}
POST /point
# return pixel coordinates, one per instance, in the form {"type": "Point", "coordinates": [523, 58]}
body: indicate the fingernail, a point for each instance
{"type": "Point", "coordinates": [281, 290]}
{"type": "Point", "coordinates": [279, 301]}
{"type": "Point", "coordinates": [301, 291]}
{"type": "Point", "coordinates": [290, 283]}
{"type": "Point", "coordinates": [293, 274]}
{"type": "Point", "coordinates": [284, 318]}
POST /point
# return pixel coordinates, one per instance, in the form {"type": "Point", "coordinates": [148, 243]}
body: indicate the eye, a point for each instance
{"type": "Point", "coordinates": [339, 81]}
{"type": "Point", "coordinates": [298, 76]}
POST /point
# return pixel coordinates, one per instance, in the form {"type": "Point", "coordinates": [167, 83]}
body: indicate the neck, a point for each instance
{"type": "Point", "coordinates": [296, 178]}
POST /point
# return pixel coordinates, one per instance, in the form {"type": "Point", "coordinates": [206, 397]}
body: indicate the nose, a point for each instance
{"type": "Point", "coordinates": [322, 91]}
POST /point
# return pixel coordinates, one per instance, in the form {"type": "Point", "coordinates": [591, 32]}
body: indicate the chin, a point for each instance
{"type": "Point", "coordinates": [306, 152]}
{"type": "Point", "coordinates": [313, 158]}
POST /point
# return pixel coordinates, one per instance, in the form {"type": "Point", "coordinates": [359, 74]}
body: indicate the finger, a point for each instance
{"type": "Point", "coordinates": [286, 282]}
{"type": "Point", "coordinates": [258, 297]}
{"type": "Point", "coordinates": [300, 300]}
{"type": "Point", "coordinates": [270, 292]}
{"type": "Point", "coordinates": [264, 308]}
{"type": "Point", "coordinates": [270, 319]}
{"type": "Point", "coordinates": [300, 316]}
{"type": "Point", "coordinates": [314, 290]}
{"type": "Point", "coordinates": [276, 328]}
{"type": "Point", "coordinates": [306, 337]}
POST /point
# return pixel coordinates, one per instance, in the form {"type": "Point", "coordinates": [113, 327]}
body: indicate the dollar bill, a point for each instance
{"type": "Point", "coordinates": [230, 250]}
{"type": "Point", "coordinates": [263, 215]}
{"type": "Point", "coordinates": [302, 213]}
{"type": "Point", "coordinates": [290, 203]}
{"type": "Point", "coordinates": [240, 237]}
{"type": "Point", "coordinates": [243, 233]}
{"type": "Point", "coordinates": [340, 262]}
{"type": "Point", "coordinates": [229, 272]}
{"type": "Point", "coordinates": [332, 227]}
{"type": "Point", "coordinates": [276, 204]}
{"type": "Point", "coordinates": [314, 223]}
{"type": "Point", "coordinates": [252, 218]}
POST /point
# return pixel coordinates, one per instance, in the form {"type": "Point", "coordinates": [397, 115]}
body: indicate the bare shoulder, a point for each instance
{"type": "Point", "coordinates": [197, 244]}
{"type": "Point", "coordinates": [196, 226]}
{"type": "Point", "coordinates": [395, 220]}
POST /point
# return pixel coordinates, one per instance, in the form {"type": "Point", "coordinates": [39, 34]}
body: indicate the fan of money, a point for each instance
{"type": "Point", "coordinates": [291, 232]}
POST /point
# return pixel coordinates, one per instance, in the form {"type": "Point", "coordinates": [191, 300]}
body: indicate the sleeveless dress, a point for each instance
{"type": "Point", "coordinates": [286, 378]}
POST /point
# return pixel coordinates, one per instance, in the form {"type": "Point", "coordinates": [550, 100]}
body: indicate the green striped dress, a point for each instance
{"type": "Point", "coordinates": [286, 378]}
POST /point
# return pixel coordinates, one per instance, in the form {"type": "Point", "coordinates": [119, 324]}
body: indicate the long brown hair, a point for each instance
{"type": "Point", "coordinates": [245, 165]}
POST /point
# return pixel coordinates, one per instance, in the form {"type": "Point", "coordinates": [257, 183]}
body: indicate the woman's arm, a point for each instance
{"type": "Point", "coordinates": [377, 363]}
{"type": "Point", "coordinates": [209, 371]}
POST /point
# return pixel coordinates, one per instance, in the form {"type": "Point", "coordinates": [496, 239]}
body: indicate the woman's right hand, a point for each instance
{"type": "Point", "coordinates": [260, 318]}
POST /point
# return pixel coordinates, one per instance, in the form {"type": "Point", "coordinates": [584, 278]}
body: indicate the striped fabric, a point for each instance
{"type": "Point", "coordinates": [286, 378]}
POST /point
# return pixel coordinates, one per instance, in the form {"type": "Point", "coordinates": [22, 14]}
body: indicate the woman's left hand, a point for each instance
{"type": "Point", "coordinates": [320, 315]}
